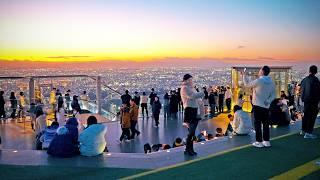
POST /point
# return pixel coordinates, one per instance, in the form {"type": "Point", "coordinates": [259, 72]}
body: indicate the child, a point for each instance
{"type": "Point", "coordinates": [125, 122]}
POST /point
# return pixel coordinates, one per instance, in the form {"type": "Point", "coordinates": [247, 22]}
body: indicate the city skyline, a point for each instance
{"type": "Point", "coordinates": [225, 32]}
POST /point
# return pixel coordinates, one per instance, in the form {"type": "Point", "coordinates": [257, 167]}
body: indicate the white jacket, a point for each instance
{"type": "Point", "coordinates": [263, 91]}
{"type": "Point", "coordinates": [41, 124]}
{"type": "Point", "coordinates": [241, 122]}
{"type": "Point", "coordinates": [92, 140]}
{"type": "Point", "coordinates": [61, 118]}
{"type": "Point", "coordinates": [189, 96]}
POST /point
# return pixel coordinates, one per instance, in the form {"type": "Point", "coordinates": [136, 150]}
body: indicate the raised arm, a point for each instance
{"type": "Point", "coordinates": [249, 84]}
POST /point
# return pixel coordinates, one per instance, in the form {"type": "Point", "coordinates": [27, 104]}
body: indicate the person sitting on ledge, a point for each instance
{"type": "Point", "coordinates": [65, 142]}
{"type": "Point", "coordinates": [49, 134]}
{"type": "Point", "coordinates": [166, 146]}
{"type": "Point", "coordinates": [178, 143]}
{"type": "Point", "coordinates": [219, 132]}
{"type": "Point", "coordinates": [156, 147]}
{"type": "Point", "coordinates": [241, 123]}
{"type": "Point", "coordinates": [92, 139]}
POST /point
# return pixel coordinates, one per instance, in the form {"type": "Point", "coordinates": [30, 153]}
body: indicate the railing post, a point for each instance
{"type": "Point", "coordinates": [31, 90]}
{"type": "Point", "coordinates": [98, 93]}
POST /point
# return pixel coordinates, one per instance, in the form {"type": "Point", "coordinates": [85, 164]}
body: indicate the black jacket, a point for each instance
{"type": "Point", "coordinates": [156, 107]}
{"type": "Point", "coordinates": [310, 89]}
{"type": "Point", "coordinates": [212, 99]}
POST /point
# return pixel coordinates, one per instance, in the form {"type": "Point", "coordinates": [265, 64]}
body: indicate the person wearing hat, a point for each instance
{"type": "Point", "coordinates": [189, 99]}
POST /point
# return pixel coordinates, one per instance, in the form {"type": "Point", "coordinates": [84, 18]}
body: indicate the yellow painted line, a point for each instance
{"type": "Point", "coordinates": [199, 159]}
{"type": "Point", "coordinates": [299, 171]}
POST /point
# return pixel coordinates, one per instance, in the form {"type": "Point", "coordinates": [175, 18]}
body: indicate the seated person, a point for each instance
{"type": "Point", "coordinates": [219, 132]}
{"type": "Point", "coordinates": [147, 148]}
{"type": "Point", "coordinates": [166, 146]}
{"type": "Point", "coordinates": [177, 143]}
{"type": "Point", "coordinates": [277, 114]}
{"type": "Point", "coordinates": [229, 128]}
{"type": "Point", "coordinates": [49, 134]}
{"type": "Point", "coordinates": [156, 147]}
{"type": "Point", "coordinates": [241, 122]}
{"type": "Point", "coordinates": [210, 136]}
{"type": "Point", "coordinates": [201, 137]}
{"type": "Point", "coordinates": [65, 142]}
{"type": "Point", "coordinates": [92, 138]}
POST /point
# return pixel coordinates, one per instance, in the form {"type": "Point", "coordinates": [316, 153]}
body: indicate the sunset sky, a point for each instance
{"type": "Point", "coordinates": [42, 30]}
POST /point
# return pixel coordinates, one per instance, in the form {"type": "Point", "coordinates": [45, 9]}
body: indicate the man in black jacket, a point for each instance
{"type": "Point", "coordinates": [310, 95]}
{"type": "Point", "coordinates": [126, 98]}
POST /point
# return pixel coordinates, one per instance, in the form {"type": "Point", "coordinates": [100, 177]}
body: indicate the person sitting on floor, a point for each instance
{"type": "Point", "coordinates": [277, 114]}
{"type": "Point", "coordinates": [166, 146]}
{"type": "Point", "coordinates": [210, 136]}
{"type": "Point", "coordinates": [156, 147]}
{"type": "Point", "coordinates": [49, 134]}
{"type": "Point", "coordinates": [201, 137]}
{"type": "Point", "coordinates": [92, 139]}
{"type": "Point", "coordinates": [65, 142]}
{"type": "Point", "coordinates": [241, 123]}
{"type": "Point", "coordinates": [177, 143]}
{"type": "Point", "coordinates": [147, 148]}
{"type": "Point", "coordinates": [219, 132]}
{"type": "Point", "coordinates": [229, 128]}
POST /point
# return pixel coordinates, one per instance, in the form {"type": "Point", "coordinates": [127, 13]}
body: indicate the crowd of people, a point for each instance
{"type": "Point", "coordinates": [65, 138]}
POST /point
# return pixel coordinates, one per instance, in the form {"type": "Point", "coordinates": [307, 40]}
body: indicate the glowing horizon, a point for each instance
{"type": "Point", "coordinates": [146, 30]}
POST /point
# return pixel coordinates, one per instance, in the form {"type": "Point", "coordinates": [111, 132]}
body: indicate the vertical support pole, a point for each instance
{"type": "Point", "coordinates": [98, 94]}
{"type": "Point", "coordinates": [31, 90]}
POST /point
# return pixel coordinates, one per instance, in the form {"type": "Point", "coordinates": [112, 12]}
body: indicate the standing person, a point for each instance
{"type": "Point", "coordinates": [240, 100]}
{"type": "Point", "coordinates": [125, 122]}
{"type": "Point", "coordinates": [60, 115]}
{"type": "Point", "coordinates": [166, 105]}
{"type": "Point", "coordinates": [189, 99]}
{"type": "Point", "coordinates": [41, 123]}
{"type": "Point", "coordinates": [75, 104]}
{"type": "Point", "coordinates": [310, 95]}
{"type": "Point", "coordinates": [179, 98]}
{"type": "Point", "coordinates": [125, 98]}
{"type": "Point", "coordinates": [263, 95]}
{"type": "Point", "coordinates": [52, 98]}
{"type": "Point", "coordinates": [221, 98]}
{"type": "Point", "coordinates": [212, 103]}
{"type": "Point", "coordinates": [136, 98]}
{"type": "Point", "coordinates": [14, 105]}
{"type": "Point", "coordinates": [156, 108]}
{"type": "Point", "coordinates": [205, 100]}
{"type": "Point", "coordinates": [32, 112]}
{"type": "Point", "coordinates": [134, 113]}
{"type": "Point", "coordinates": [2, 102]}
{"type": "Point", "coordinates": [228, 97]}
{"type": "Point", "coordinates": [152, 96]}
{"type": "Point", "coordinates": [22, 106]}
{"type": "Point", "coordinates": [67, 96]}
{"type": "Point", "coordinates": [84, 99]}
{"type": "Point", "coordinates": [144, 103]}
{"type": "Point", "coordinates": [173, 104]}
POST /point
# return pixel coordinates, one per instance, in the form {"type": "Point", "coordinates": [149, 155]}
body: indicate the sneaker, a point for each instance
{"type": "Point", "coordinates": [155, 126]}
{"type": "Point", "coordinates": [138, 133]}
{"type": "Point", "coordinates": [127, 140]}
{"type": "Point", "coordinates": [302, 133]}
{"type": "Point", "coordinates": [310, 136]}
{"type": "Point", "coordinates": [257, 144]}
{"type": "Point", "coordinates": [266, 143]}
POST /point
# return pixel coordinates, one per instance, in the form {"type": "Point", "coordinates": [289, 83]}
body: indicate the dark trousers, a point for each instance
{"type": "Point", "coordinates": [310, 115]}
{"type": "Point", "coordinates": [125, 132]}
{"type": "Point", "coordinates": [156, 118]}
{"type": "Point", "coordinates": [261, 116]}
{"type": "Point", "coordinates": [2, 113]}
{"type": "Point", "coordinates": [133, 129]}
{"type": "Point", "coordinates": [13, 114]}
{"type": "Point", "coordinates": [190, 116]}
{"type": "Point", "coordinates": [212, 109]}
{"type": "Point", "coordinates": [221, 106]}
{"type": "Point", "coordinates": [228, 104]}
{"type": "Point", "coordinates": [144, 106]}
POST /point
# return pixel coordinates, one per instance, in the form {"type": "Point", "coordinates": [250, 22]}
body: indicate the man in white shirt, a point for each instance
{"type": "Point", "coordinates": [263, 94]}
